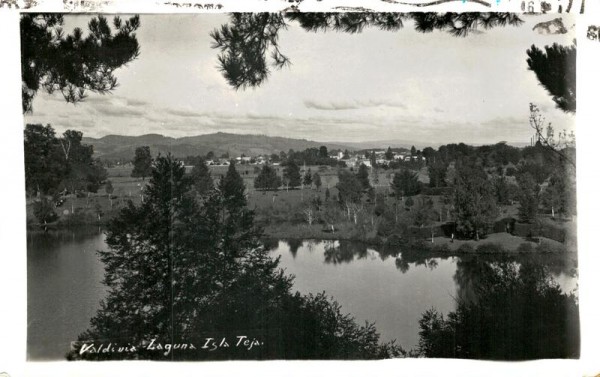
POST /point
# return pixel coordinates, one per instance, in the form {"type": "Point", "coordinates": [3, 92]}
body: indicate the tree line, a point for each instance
{"type": "Point", "coordinates": [468, 187]}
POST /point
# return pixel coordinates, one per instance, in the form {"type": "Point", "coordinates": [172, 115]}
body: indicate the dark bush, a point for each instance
{"type": "Point", "coordinates": [44, 211]}
{"type": "Point", "coordinates": [492, 248]}
{"type": "Point", "coordinates": [525, 247]}
{"type": "Point", "coordinates": [465, 248]}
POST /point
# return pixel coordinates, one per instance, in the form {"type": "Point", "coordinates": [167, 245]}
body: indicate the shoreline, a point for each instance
{"type": "Point", "coordinates": [493, 243]}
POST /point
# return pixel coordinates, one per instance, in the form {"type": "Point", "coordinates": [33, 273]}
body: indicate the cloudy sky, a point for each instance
{"type": "Point", "coordinates": [377, 85]}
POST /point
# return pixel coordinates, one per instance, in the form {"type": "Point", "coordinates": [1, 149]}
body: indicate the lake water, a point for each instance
{"type": "Point", "coordinates": [65, 285]}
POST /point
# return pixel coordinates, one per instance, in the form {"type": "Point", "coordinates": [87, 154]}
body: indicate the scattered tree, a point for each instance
{"type": "Point", "coordinates": [307, 180]}
{"type": "Point", "coordinates": [528, 198]}
{"type": "Point", "coordinates": [363, 177]}
{"type": "Point", "coordinates": [559, 195]}
{"type": "Point", "coordinates": [109, 189]}
{"type": "Point", "coordinates": [291, 175]}
{"type": "Point", "coordinates": [201, 177]}
{"type": "Point", "coordinates": [316, 178]}
{"type": "Point", "coordinates": [232, 188]}
{"type": "Point", "coordinates": [437, 173]}
{"type": "Point", "coordinates": [53, 164]}
{"type": "Point", "coordinates": [44, 168]}
{"type": "Point", "coordinates": [405, 183]}
{"type": "Point", "coordinates": [389, 155]}
{"type": "Point", "coordinates": [267, 179]}
{"type": "Point", "coordinates": [323, 153]}
{"type": "Point", "coordinates": [142, 162]}
{"type": "Point", "coordinates": [474, 201]}
{"type": "Point", "coordinates": [349, 187]}
{"type": "Point", "coordinates": [409, 202]}
{"type": "Point", "coordinates": [373, 159]}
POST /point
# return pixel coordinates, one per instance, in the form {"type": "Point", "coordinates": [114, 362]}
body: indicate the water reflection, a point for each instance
{"type": "Point", "coordinates": [469, 267]}
{"type": "Point", "coordinates": [294, 245]}
{"type": "Point", "coordinates": [507, 307]}
{"type": "Point", "coordinates": [393, 287]}
{"type": "Point", "coordinates": [344, 251]}
{"type": "Point", "coordinates": [64, 288]}
{"type": "Point", "coordinates": [505, 311]}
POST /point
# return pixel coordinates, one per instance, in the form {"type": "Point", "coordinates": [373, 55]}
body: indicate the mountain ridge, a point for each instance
{"type": "Point", "coordinates": [122, 147]}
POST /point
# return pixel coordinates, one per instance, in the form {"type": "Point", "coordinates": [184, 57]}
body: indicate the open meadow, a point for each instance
{"type": "Point", "coordinates": [299, 213]}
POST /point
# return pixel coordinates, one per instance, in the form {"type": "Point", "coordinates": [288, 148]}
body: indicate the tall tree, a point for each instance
{"type": "Point", "coordinates": [529, 198]}
{"type": "Point", "coordinates": [307, 180]}
{"type": "Point", "coordinates": [52, 162]}
{"type": "Point", "coordinates": [142, 162]}
{"type": "Point", "coordinates": [474, 201]}
{"type": "Point", "coordinates": [201, 177]}
{"type": "Point", "coordinates": [363, 177]}
{"type": "Point", "coordinates": [373, 159]}
{"type": "Point", "coordinates": [437, 173]}
{"type": "Point", "coordinates": [71, 63]}
{"type": "Point", "coordinates": [291, 174]}
{"type": "Point", "coordinates": [429, 154]}
{"type": "Point", "coordinates": [555, 69]}
{"type": "Point", "coordinates": [316, 178]}
{"type": "Point", "coordinates": [349, 187]}
{"type": "Point", "coordinates": [44, 167]}
{"type": "Point", "coordinates": [389, 155]}
{"type": "Point", "coordinates": [323, 153]}
{"type": "Point", "coordinates": [83, 172]}
{"type": "Point", "coordinates": [232, 188]}
{"type": "Point", "coordinates": [375, 175]}
{"type": "Point", "coordinates": [405, 183]}
{"type": "Point", "coordinates": [559, 196]}
{"type": "Point", "coordinates": [108, 188]}
{"type": "Point", "coordinates": [423, 213]}
{"type": "Point", "coordinates": [267, 179]}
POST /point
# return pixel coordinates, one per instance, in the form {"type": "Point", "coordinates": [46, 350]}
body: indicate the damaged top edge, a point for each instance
{"type": "Point", "coordinates": [220, 6]}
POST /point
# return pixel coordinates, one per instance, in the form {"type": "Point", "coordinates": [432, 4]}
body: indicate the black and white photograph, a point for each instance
{"type": "Point", "coordinates": [300, 186]}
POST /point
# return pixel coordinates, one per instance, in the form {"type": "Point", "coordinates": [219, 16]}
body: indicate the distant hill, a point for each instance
{"type": "Point", "coordinates": [117, 147]}
{"type": "Point", "coordinates": [407, 144]}
{"type": "Point", "coordinates": [395, 144]}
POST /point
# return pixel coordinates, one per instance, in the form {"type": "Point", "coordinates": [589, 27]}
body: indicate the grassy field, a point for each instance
{"type": "Point", "coordinates": [98, 207]}
{"type": "Point", "coordinates": [126, 188]}
{"type": "Point", "coordinates": [279, 212]}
